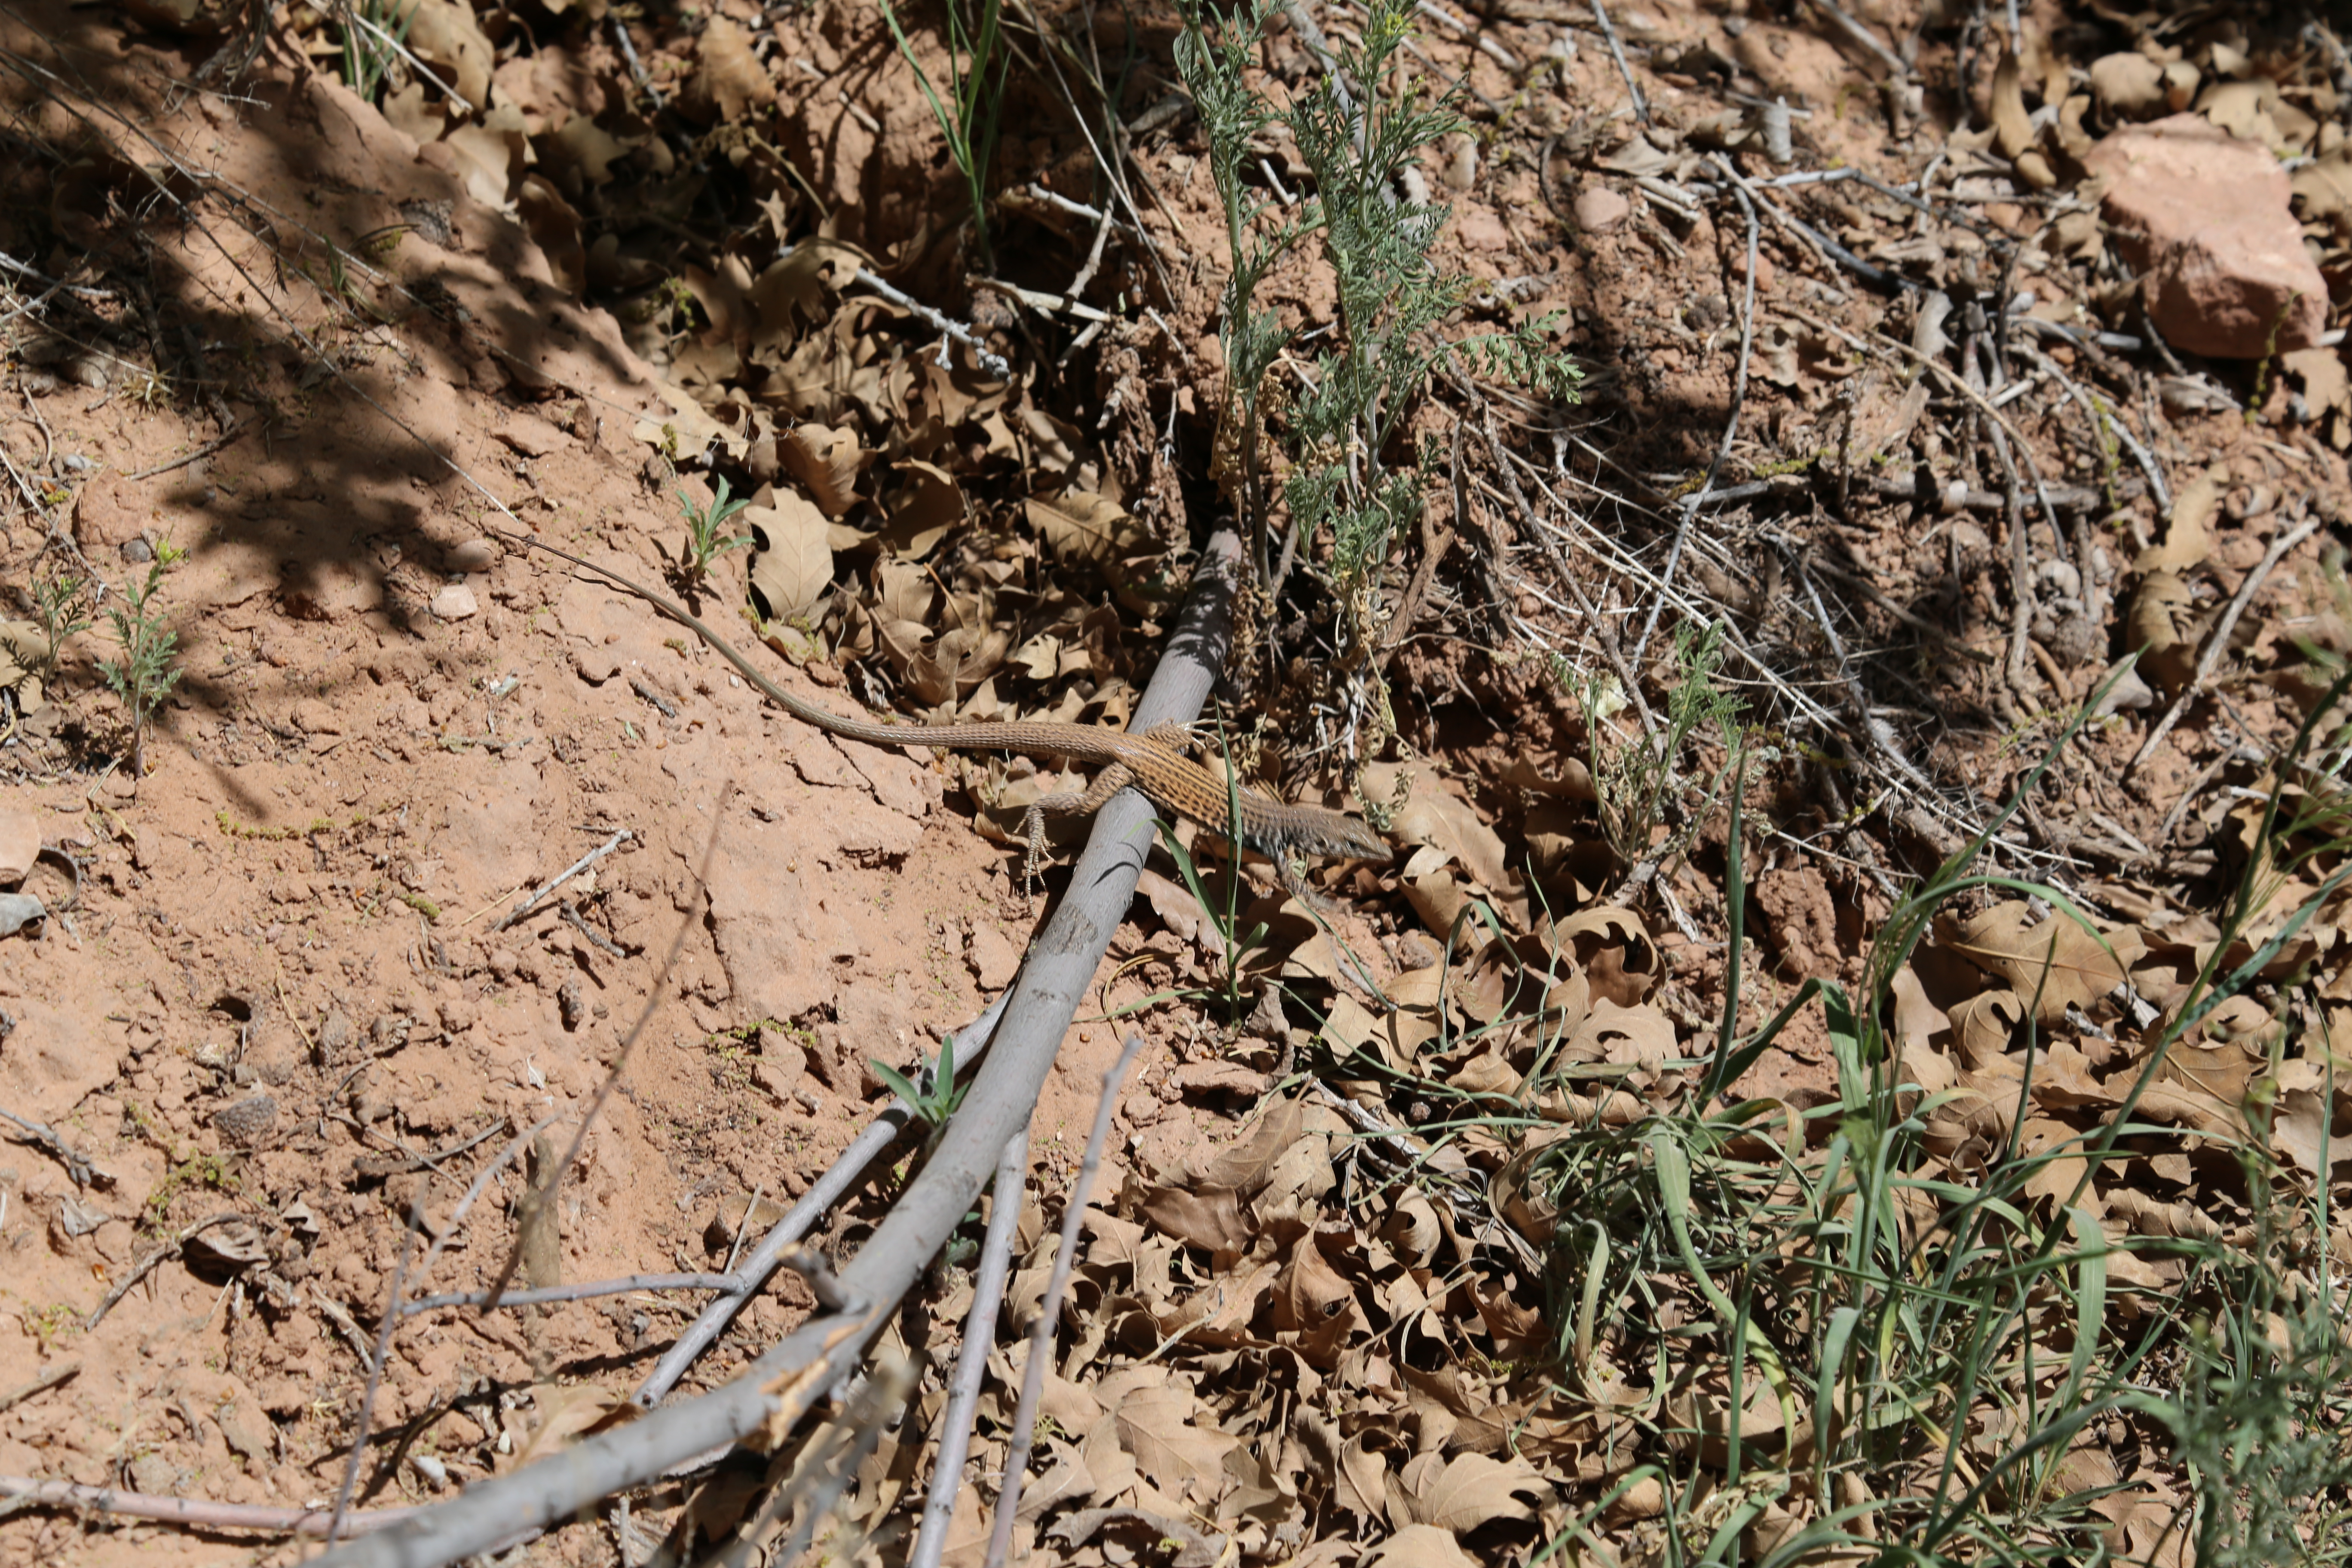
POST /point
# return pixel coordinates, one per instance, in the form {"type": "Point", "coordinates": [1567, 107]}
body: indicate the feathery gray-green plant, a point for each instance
{"type": "Point", "coordinates": [1364, 121]}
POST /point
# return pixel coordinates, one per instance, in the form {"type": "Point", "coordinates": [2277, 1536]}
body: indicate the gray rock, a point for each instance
{"type": "Point", "coordinates": [18, 911]}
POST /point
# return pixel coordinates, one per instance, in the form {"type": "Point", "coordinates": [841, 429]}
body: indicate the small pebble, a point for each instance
{"type": "Point", "coordinates": [248, 1121]}
{"type": "Point", "coordinates": [474, 555]}
{"type": "Point", "coordinates": [1600, 210]}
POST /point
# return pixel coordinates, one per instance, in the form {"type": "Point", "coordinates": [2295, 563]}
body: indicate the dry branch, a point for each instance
{"type": "Point", "coordinates": [783, 1384]}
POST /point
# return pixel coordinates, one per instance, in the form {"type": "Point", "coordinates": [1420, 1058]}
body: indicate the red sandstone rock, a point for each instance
{"type": "Point", "coordinates": [2204, 218]}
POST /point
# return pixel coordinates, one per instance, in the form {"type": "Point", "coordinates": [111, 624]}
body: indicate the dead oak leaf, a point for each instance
{"type": "Point", "coordinates": [1206, 1216]}
{"type": "Point", "coordinates": [1430, 815]}
{"type": "Point", "coordinates": [728, 76]}
{"type": "Point", "coordinates": [1155, 1425]}
{"type": "Point", "coordinates": [2204, 1081]}
{"type": "Point", "coordinates": [445, 35]}
{"type": "Point", "coordinates": [2165, 628]}
{"type": "Point", "coordinates": [1420, 1546]}
{"type": "Point", "coordinates": [2188, 537]}
{"type": "Point", "coordinates": [2057, 963]}
{"type": "Point", "coordinates": [794, 566]}
{"type": "Point", "coordinates": [1310, 1295]}
{"type": "Point", "coordinates": [1246, 1165]}
{"type": "Point", "coordinates": [1080, 525]}
{"type": "Point", "coordinates": [564, 1414]}
{"type": "Point", "coordinates": [1643, 1036]}
{"type": "Point", "coordinates": [1361, 1482]}
{"type": "Point", "coordinates": [2300, 1123]}
{"type": "Point", "coordinates": [800, 285]}
{"type": "Point", "coordinates": [825, 459]}
{"type": "Point", "coordinates": [923, 511]}
{"type": "Point", "coordinates": [1462, 1493]}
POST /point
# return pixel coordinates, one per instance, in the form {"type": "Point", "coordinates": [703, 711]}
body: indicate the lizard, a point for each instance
{"type": "Point", "coordinates": [1155, 762]}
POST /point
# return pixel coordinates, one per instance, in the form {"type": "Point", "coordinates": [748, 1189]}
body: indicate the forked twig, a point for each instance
{"type": "Point", "coordinates": [972, 1360]}
{"type": "Point", "coordinates": [2218, 641]}
{"type": "Point", "coordinates": [31, 1490]}
{"type": "Point", "coordinates": [523, 910]}
{"type": "Point", "coordinates": [1624, 67]}
{"type": "Point", "coordinates": [544, 1192]}
{"type": "Point", "coordinates": [1731, 423]}
{"type": "Point", "coordinates": [828, 1190]}
{"type": "Point", "coordinates": [1049, 1311]}
{"type": "Point", "coordinates": [382, 1353]}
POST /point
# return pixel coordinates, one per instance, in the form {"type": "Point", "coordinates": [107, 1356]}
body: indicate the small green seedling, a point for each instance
{"type": "Point", "coordinates": [704, 542]}
{"type": "Point", "coordinates": [145, 675]}
{"type": "Point", "coordinates": [61, 604]}
{"type": "Point", "coordinates": [936, 1098]}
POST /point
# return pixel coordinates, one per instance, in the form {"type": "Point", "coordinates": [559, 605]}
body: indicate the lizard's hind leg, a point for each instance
{"type": "Point", "coordinates": [1114, 778]}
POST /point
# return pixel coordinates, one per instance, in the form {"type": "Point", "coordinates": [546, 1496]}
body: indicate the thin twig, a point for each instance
{"type": "Point", "coordinates": [350, 14]}
{"type": "Point", "coordinates": [376, 1166]}
{"type": "Point", "coordinates": [1122, 148]}
{"type": "Point", "coordinates": [338, 1314]}
{"type": "Point", "coordinates": [1624, 68]}
{"type": "Point", "coordinates": [147, 1265]}
{"type": "Point", "coordinates": [1880, 736]}
{"type": "Point", "coordinates": [587, 1291]}
{"type": "Point", "coordinates": [1049, 1311]}
{"type": "Point", "coordinates": [1731, 423]}
{"type": "Point", "coordinates": [23, 1489]}
{"type": "Point", "coordinates": [989, 361]}
{"type": "Point", "coordinates": [1869, 40]}
{"type": "Point", "coordinates": [382, 1353]}
{"type": "Point", "coordinates": [743, 1229]}
{"type": "Point", "coordinates": [2019, 562]}
{"type": "Point", "coordinates": [2102, 420]}
{"type": "Point", "coordinates": [970, 1044]}
{"type": "Point", "coordinates": [546, 1191]}
{"type": "Point", "coordinates": [2217, 642]}
{"type": "Point", "coordinates": [523, 910]}
{"type": "Point", "coordinates": [1919, 624]}
{"type": "Point", "coordinates": [2231, 752]}
{"type": "Point", "coordinates": [971, 1359]}
{"type": "Point", "coordinates": [637, 66]}
{"type": "Point", "coordinates": [48, 1380]}
{"type": "Point", "coordinates": [573, 917]}
{"type": "Point", "coordinates": [227, 438]}
{"type": "Point", "coordinates": [1627, 676]}
{"type": "Point", "coordinates": [668, 708]}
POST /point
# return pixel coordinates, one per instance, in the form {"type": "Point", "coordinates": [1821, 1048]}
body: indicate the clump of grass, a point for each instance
{"type": "Point", "coordinates": [62, 605]}
{"type": "Point", "coordinates": [375, 32]}
{"type": "Point", "coordinates": [972, 112]}
{"type": "Point", "coordinates": [1869, 1353]}
{"type": "Point", "coordinates": [1638, 779]}
{"type": "Point", "coordinates": [934, 1099]}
